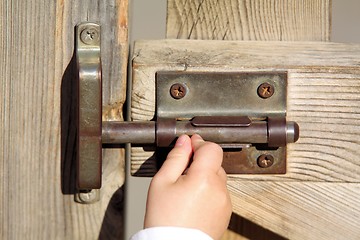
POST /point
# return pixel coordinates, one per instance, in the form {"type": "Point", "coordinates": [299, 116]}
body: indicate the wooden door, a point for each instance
{"type": "Point", "coordinates": [37, 125]}
{"type": "Point", "coordinates": [316, 199]}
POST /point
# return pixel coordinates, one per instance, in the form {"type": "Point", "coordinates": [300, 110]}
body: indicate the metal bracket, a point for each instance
{"type": "Point", "coordinates": [260, 96]}
{"type": "Point", "coordinates": [244, 112]}
{"type": "Point", "coordinates": [88, 60]}
{"type": "Point", "coordinates": [221, 94]}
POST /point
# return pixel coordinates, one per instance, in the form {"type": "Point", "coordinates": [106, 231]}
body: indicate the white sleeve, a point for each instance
{"type": "Point", "coordinates": [170, 233]}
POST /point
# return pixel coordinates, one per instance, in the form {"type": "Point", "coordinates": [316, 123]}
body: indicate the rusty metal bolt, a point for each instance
{"type": "Point", "coordinates": [265, 161]}
{"type": "Point", "coordinates": [90, 35]}
{"type": "Point", "coordinates": [265, 90]}
{"type": "Point", "coordinates": [178, 90]}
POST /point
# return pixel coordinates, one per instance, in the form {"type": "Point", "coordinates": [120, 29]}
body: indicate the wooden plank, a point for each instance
{"type": "Point", "coordinates": [285, 20]}
{"type": "Point", "coordinates": [300, 210]}
{"type": "Point", "coordinates": [37, 119]}
{"type": "Point", "coordinates": [323, 170]}
{"type": "Point", "coordinates": [319, 98]}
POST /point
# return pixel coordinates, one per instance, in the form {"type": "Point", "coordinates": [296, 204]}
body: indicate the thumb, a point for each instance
{"type": "Point", "coordinates": [208, 156]}
{"type": "Point", "coordinates": [177, 160]}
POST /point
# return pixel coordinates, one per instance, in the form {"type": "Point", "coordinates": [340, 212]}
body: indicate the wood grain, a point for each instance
{"type": "Point", "coordinates": [316, 198]}
{"type": "Point", "coordinates": [300, 210]}
{"type": "Point", "coordinates": [283, 20]}
{"type": "Point", "coordinates": [36, 108]}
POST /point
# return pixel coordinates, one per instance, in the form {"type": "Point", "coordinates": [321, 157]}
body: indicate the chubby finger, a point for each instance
{"type": "Point", "coordinates": [177, 160]}
{"type": "Point", "coordinates": [222, 175]}
{"type": "Point", "coordinates": [208, 156]}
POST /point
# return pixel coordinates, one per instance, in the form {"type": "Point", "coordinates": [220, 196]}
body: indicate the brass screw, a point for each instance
{"type": "Point", "coordinates": [178, 90]}
{"type": "Point", "coordinates": [90, 35]}
{"type": "Point", "coordinates": [265, 161]}
{"type": "Point", "coordinates": [265, 90]}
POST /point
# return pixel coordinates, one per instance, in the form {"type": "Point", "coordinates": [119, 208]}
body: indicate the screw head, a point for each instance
{"type": "Point", "coordinates": [265, 160]}
{"type": "Point", "coordinates": [90, 35]}
{"type": "Point", "coordinates": [178, 90]}
{"type": "Point", "coordinates": [265, 90]}
{"type": "Point", "coordinates": [87, 197]}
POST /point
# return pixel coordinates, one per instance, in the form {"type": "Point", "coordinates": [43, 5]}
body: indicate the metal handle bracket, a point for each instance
{"type": "Point", "coordinates": [88, 60]}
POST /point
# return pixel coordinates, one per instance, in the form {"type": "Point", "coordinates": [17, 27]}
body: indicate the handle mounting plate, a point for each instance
{"type": "Point", "coordinates": [258, 95]}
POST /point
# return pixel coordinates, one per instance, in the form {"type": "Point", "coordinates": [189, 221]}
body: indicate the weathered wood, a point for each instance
{"type": "Point", "coordinates": [284, 20]}
{"type": "Point", "coordinates": [37, 143]}
{"type": "Point", "coordinates": [322, 98]}
{"type": "Point", "coordinates": [300, 210]}
{"type": "Point", "coordinates": [319, 98]}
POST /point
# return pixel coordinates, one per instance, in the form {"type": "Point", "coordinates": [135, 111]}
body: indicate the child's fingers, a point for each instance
{"type": "Point", "coordinates": [208, 156]}
{"type": "Point", "coordinates": [177, 160]}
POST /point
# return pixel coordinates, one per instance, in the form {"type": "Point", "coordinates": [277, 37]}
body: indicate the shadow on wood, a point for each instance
{"type": "Point", "coordinates": [150, 166]}
{"type": "Point", "coordinates": [68, 128]}
{"type": "Point", "coordinates": [113, 224]}
{"type": "Point", "coordinates": [250, 230]}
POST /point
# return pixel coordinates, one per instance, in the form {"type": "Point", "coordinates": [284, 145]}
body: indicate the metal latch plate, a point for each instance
{"type": "Point", "coordinates": [221, 94]}
{"type": "Point", "coordinates": [228, 94]}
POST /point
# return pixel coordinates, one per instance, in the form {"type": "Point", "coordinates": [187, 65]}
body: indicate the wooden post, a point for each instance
{"type": "Point", "coordinates": [37, 119]}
